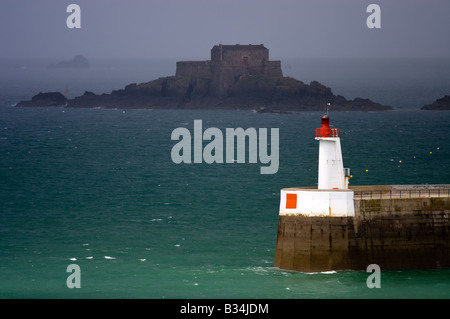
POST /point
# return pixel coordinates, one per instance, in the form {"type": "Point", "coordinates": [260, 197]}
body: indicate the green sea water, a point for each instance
{"type": "Point", "coordinates": [98, 188]}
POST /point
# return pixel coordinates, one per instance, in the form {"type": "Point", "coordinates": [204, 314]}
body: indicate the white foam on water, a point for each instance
{"type": "Point", "coordinates": [321, 272]}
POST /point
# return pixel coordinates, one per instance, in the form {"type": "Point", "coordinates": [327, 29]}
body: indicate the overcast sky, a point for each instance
{"type": "Point", "coordinates": [187, 29]}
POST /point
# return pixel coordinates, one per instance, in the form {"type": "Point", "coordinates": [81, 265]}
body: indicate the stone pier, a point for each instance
{"type": "Point", "coordinates": [396, 227]}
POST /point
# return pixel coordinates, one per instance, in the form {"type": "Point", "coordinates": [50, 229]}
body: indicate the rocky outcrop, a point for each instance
{"type": "Point", "coordinates": [45, 99]}
{"type": "Point", "coordinates": [247, 92]}
{"type": "Point", "coordinates": [78, 62]}
{"type": "Point", "coordinates": [442, 104]}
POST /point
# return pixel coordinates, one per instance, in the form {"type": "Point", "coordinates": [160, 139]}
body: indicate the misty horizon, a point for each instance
{"type": "Point", "coordinates": [138, 41]}
{"type": "Point", "coordinates": [187, 30]}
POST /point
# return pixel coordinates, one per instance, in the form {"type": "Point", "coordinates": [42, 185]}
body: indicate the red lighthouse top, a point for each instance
{"type": "Point", "coordinates": [325, 130]}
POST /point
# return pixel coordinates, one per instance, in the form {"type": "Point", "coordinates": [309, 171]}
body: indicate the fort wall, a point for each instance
{"type": "Point", "coordinates": [228, 63]}
{"type": "Point", "coordinates": [273, 69]}
{"type": "Point", "coordinates": [191, 69]}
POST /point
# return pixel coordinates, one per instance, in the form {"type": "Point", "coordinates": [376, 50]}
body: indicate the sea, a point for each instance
{"type": "Point", "coordinates": [97, 189]}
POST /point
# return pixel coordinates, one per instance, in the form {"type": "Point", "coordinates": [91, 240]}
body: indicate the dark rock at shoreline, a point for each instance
{"type": "Point", "coordinates": [442, 104]}
{"type": "Point", "coordinates": [248, 92]}
{"type": "Point", "coordinates": [78, 62]}
{"type": "Point", "coordinates": [45, 99]}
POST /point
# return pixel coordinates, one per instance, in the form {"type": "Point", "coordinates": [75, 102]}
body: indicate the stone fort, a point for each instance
{"type": "Point", "coordinates": [229, 63]}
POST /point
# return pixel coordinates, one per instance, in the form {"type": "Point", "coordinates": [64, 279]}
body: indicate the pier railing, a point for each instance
{"type": "Point", "coordinates": [402, 193]}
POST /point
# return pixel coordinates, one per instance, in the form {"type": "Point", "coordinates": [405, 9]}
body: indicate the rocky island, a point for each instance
{"type": "Point", "coordinates": [236, 77]}
{"type": "Point", "coordinates": [442, 104]}
{"type": "Point", "coordinates": [45, 99]}
{"type": "Point", "coordinates": [78, 62]}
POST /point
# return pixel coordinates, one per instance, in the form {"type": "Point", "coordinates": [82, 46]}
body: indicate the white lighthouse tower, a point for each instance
{"type": "Point", "coordinates": [331, 168]}
{"type": "Point", "coordinates": [332, 196]}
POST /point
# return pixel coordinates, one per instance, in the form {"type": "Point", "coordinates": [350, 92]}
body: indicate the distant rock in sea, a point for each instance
{"type": "Point", "coordinates": [442, 104]}
{"type": "Point", "coordinates": [45, 99]}
{"type": "Point", "coordinates": [78, 62]}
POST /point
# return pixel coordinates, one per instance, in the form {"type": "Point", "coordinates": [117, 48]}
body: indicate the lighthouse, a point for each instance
{"type": "Point", "coordinates": [331, 169]}
{"type": "Point", "coordinates": [336, 227]}
{"type": "Point", "coordinates": [331, 197]}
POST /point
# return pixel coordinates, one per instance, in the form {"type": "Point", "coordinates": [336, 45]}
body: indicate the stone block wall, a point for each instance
{"type": "Point", "coordinates": [406, 233]}
{"type": "Point", "coordinates": [401, 233]}
{"type": "Point", "coordinates": [194, 69]}
{"type": "Point", "coordinates": [230, 62]}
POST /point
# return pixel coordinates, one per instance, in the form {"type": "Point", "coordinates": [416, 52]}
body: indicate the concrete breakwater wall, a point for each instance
{"type": "Point", "coordinates": [409, 232]}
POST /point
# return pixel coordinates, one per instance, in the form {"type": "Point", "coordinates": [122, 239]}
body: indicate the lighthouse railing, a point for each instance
{"type": "Point", "coordinates": [331, 132]}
